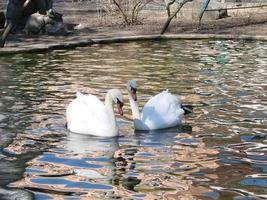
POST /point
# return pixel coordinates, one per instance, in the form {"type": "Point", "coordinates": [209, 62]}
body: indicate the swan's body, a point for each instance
{"type": "Point", "coordinates": [162, 111]}
{"type": "Point", "coordinates": [88, 115]}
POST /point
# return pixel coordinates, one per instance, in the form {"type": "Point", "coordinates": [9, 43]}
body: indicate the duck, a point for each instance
{"type": "Point", "coordinates": [163, 110]}
{"type": "Point", "coordinates": [86, 114]}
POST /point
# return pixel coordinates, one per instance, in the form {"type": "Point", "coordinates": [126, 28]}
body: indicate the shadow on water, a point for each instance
{"type": "Point", "coordinates": [80, 144]}
{"type": "Point", "coordinates": [163, 136]}
{"type": "Point", "coordinates": [99, 163]}
{"type": "Point", "coordinates": [125, 162]}
{"type": "Point", "coordinates": [12, 168]}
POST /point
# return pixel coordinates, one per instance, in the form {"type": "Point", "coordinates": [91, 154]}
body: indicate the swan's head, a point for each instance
{"type": "Point", "coordinates": [117, 97]}
{"type": "Point", "coordinates": [132, 88]}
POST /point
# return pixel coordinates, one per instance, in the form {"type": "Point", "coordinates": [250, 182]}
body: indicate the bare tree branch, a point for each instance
{"type": "Point", "coordinates": [206, 4]}
{"type": "Point", "coordinates": [130, 9]}
{"type": "Point", "coordinates": [144, 4]}
{"type": "Point", "coordinates": [141, 7]}
{"type": "Point", "coordinates": [122, 12]}
{"type": "Point", "coordinates": [166, 25]}
{"type": "Point", "coordinates": [168, 7]}
{"type": "Point", "coordinates": [134, 11]}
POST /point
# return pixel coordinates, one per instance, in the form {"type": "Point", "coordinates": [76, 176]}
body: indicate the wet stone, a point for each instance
{"type": "Point", "coordinates": [15, 194]}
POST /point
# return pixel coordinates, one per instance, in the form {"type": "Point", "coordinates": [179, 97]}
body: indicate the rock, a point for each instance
{"type": "Point", "coordinates": [51, 23]}
{"type": "Point", "coordinates": [55, 16]}
{"type": "Point", "coordinates": [2, 19]}
{"type": "Point", "coordinates": [36, 23]}
{"type": "Point", "coordinates": [12, 194]}
{"type": "Point", "coordinates": [57, 28]}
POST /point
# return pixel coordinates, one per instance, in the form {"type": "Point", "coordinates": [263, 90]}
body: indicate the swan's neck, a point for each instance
{"type": "Point", "coordinates": [110, 112]}
{"type": "Point", "coordinates": [134, 107]}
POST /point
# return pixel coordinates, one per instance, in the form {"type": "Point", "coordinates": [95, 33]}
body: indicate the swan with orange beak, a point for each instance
{"type": "Point", "coordinates": [162, 111]}
{"type": "Point", "coordinates": [88, 115]}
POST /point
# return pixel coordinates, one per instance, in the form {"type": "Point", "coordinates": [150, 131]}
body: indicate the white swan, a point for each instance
{"type": "Point", "coordinates": [88, 115]}
{"type": "Point", "coordinates": [162, 111]}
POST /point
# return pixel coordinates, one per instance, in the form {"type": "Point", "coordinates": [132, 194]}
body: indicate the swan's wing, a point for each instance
{"type": "Point", "coordinates": [86, 113]}
{"type": "Point", "coordinates": [163, 103]}
{"type": "Point", "coordinates": [94, 107]}
{"type": "Point", "coordinates": [163, 110]}
{"type": "Point", "coordinates": [90, 102]}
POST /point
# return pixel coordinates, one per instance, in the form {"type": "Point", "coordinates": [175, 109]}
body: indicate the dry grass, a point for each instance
{"type": "Point", "coordinates": [151, 22]}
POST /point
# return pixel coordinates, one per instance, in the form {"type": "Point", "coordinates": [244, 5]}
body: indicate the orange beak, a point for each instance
{"type": "Point", "coordinates": [120, 111]}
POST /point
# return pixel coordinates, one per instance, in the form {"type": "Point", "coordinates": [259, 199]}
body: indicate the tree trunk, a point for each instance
{"type": "Point", "coordinates": [167, 23]}
{"type": "Point", "coordinates": [2, 20]}
{"type": "Point", "coordinates": [204, 8]}
{"type": "Point", "coordinates": [168, 7]}
{"type": "Point", "coordinates": [122, 12]}
{"type": "Point", "coordinates": [5, 33]}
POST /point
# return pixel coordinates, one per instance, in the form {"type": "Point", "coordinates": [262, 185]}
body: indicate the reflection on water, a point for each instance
{"type": "Point", "coordinates": [218, 153]}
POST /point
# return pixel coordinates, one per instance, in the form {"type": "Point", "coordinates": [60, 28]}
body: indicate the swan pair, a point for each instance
{"type": "Point", "coordinates": [88, 115]}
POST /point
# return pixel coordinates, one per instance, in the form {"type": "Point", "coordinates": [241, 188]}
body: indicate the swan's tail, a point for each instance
{"type": "Point", "coordinates": [187, 108]}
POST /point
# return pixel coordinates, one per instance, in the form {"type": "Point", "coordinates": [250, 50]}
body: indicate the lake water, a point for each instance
{"type": "Point", "coordinates": [218, 153]}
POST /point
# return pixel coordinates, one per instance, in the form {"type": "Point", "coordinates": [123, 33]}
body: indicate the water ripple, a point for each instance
{"type": "Point", "coordinates": [218, 153]}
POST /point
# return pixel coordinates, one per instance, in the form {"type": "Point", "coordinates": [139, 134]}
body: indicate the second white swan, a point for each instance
{"type": "Point", "coordinates": [162, 111]}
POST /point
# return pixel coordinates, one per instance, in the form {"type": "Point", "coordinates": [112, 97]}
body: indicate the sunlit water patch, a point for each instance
{"type": "Point", "coordinates": [218, 153]}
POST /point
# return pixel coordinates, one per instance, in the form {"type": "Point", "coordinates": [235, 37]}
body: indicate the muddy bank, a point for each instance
{"type": "Point", "coordinates": [93, 26]}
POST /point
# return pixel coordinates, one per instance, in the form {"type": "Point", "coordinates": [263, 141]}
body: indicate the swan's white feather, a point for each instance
{"type": "Point", "coordinates": [161, 111]}
{"type": "Point", "coordinates": [87, 115]}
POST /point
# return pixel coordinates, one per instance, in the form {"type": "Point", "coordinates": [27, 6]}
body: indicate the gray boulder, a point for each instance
{"type": "Point", "coordinates": [51, 23]}
{"type": "Point", "coordinates": [57, 28]}
{"type": "Point", "coordinates": [36, 23]}
{"type": "Point", "coordinates": [14, 194]}
{"type": "Point", "coordinates": [55, 16]}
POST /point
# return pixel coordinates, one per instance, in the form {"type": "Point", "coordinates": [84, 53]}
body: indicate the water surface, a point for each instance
{"type": "Point", "coordinates": [218, 153]}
